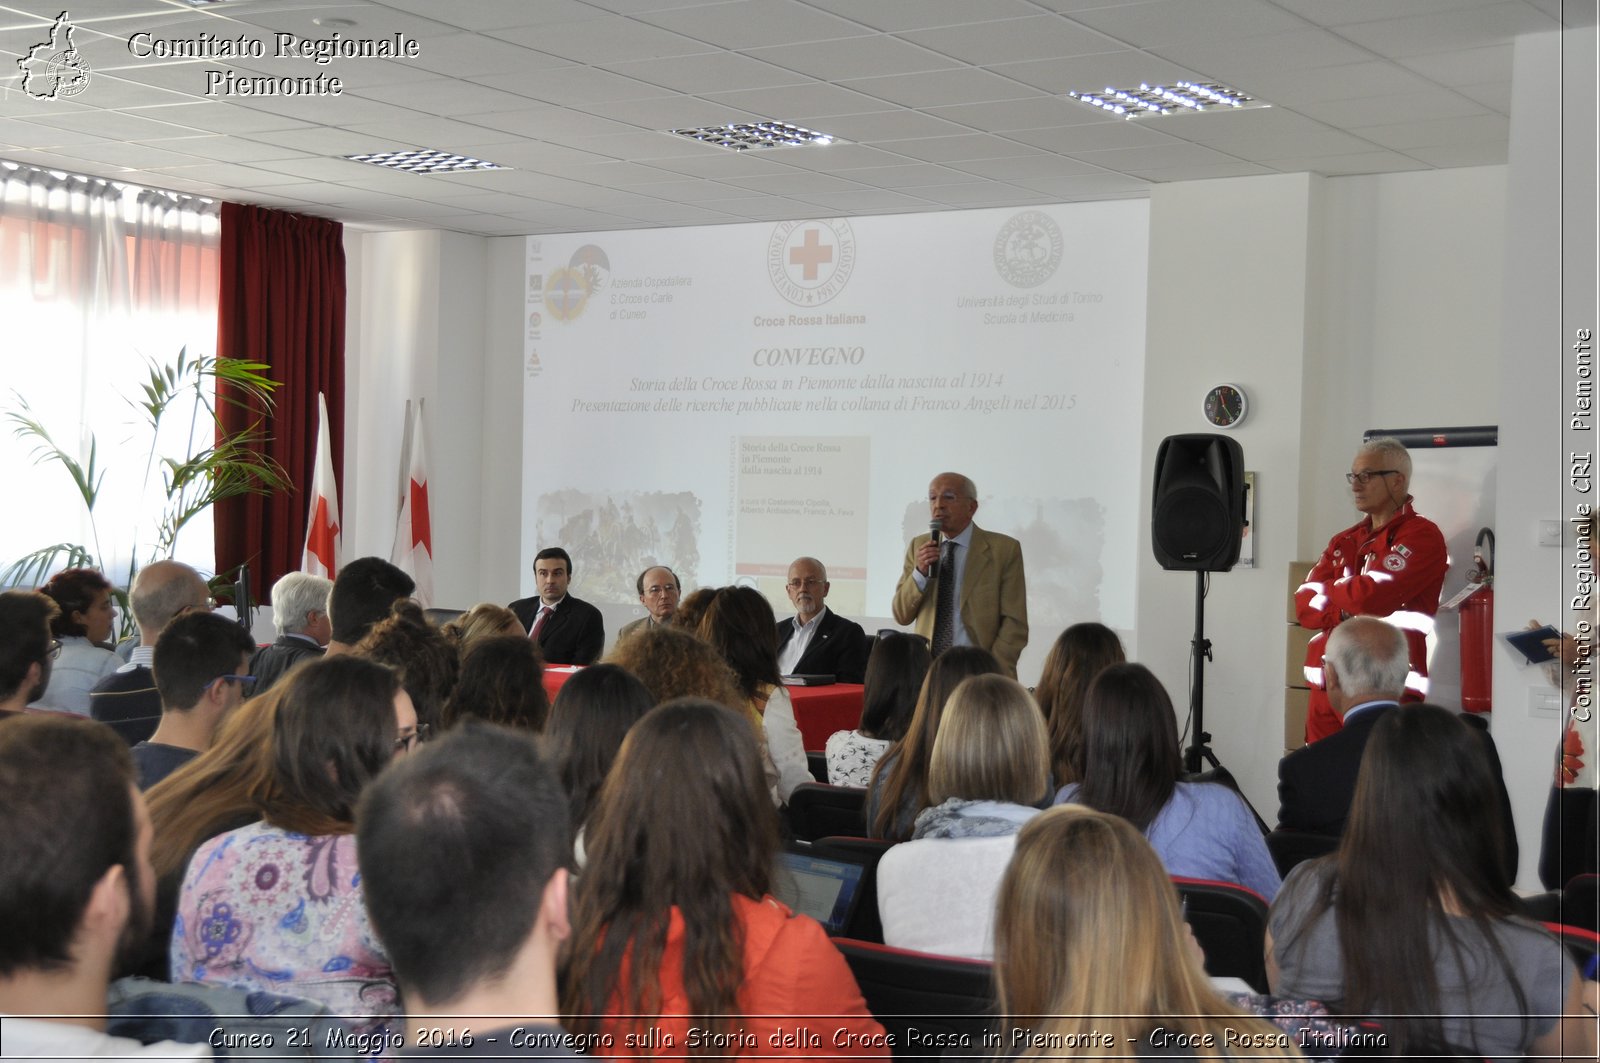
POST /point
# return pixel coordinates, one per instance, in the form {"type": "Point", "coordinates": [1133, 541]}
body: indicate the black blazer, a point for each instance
{"type": "Point", "coordinates": [574, 634]}
{"type": "Point", "coordinates": [839, 648]}
{"type": "Point", "coordinates": [1317, 782]}
{"type": "Point", "coordinates": [129, 702]}
{"type": "Point", "coordinates": [271, 663]}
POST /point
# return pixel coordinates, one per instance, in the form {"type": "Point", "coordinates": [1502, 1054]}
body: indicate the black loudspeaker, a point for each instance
{"type": "Point", "coordinates": [1197, 520]}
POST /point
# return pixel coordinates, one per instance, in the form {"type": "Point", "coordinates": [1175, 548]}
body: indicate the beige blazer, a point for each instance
{"type": "Point", "coordinates": [994, 597]}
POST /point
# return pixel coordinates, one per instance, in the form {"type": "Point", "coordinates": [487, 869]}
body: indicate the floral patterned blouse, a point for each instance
{"type": "Point", "coordinates": [262, 908]}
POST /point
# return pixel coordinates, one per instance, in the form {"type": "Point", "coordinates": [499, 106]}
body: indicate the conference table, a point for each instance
{"type": "Point", "coordinates": [819, 711]}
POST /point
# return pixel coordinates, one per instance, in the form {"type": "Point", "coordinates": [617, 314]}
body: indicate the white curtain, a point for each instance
{"type": "Point", "coordinates": [97, 281]}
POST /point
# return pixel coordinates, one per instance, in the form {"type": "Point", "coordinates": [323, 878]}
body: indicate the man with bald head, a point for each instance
{"type": "Point", "coordinates": [816, 640]}
{"type": "Point", "coordinates": [1366, 663]}
{"type": "Point", "coordinates": [967, 589]}
{"type": "Point", "coordinates": [659, 591]}
{"type": "Point", "coordinates": [127, 699]}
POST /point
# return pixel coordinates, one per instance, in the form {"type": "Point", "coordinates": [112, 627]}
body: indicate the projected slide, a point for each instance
{"type": "Point", "coordinates": [724, 399]}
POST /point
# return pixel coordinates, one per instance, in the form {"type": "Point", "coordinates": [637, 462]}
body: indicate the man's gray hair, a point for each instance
{"type": "Point", "coordinates": [162, 590]}
{"type": "Point", "coordinates": [1369, 656]}
{"type": "Point", "coordinates": [294, 596]}
{"type": "Point", "coordinates": [1393, 451]}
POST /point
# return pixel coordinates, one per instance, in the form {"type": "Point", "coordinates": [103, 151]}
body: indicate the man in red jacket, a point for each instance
{"type": "Point", "coordinates": [1391, 565]}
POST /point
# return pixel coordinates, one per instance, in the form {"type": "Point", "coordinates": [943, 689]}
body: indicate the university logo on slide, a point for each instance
{"type": "Point", "coordinates": [1027, 250]}
{"type": "Point", "coordinates": [54, 69]}
{"type": "Point", "coordinates": [809, 262]}
{"type": "Point", "coordinates": [567, 290]}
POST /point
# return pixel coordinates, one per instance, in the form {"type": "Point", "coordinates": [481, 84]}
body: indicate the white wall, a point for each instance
{"type": "Point", "coordinates": [1549, 282]}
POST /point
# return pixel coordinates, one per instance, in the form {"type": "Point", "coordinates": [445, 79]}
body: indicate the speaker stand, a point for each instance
{"type": "Point", "coordinates": [1200, 746]}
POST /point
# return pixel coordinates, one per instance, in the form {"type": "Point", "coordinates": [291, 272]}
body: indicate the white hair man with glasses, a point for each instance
{"type": "Point", "coordinates": [1390, 565]}
{"type": "Point", "coordinates": [816, 640]}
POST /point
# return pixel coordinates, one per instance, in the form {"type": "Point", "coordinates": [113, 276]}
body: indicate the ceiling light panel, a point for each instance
{"type": "Point", "coordinates": [745, 136]}
{"type": "Point", "coordinates": [425, 161]}
{"type": "Point", "coordinates": [1181, 97]}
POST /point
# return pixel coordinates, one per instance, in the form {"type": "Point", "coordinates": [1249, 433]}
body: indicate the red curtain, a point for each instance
{"type": "Point", "coordinates": [282, 303]}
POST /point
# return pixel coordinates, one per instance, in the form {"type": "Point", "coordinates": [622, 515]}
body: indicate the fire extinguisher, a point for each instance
{"type": "Point", "coordinates": [1477, 629]}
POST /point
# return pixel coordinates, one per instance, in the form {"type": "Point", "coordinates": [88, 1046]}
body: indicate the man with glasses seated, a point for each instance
{"type": "Point", "coordinates": [1390, 565]}
{"type": "Point", "coordinates": [659, 591]}
{"type": "Point", "coordinates": [816, 640]}
{"type": "Point", "coordinates": [201, 665]}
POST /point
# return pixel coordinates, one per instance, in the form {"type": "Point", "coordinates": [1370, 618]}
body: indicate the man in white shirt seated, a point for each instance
{"type": "Point", "coordinates": [816, 640]}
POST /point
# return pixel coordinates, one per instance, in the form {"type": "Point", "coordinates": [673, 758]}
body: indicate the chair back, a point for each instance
{"type": "Point", "coordinates": [865, 923]}
{"type": "Point", "coordinates": [1580, 902]}
{"type": "Point", "coordinates": [1582, 945]}
{"type": "Point", "coordinates": [1292, 847]}
{"type": "Point", "coordinates": [930, 1005]}
{"type": "Point", "coordinates": [1230, 923]}
{"type": "Point", "coordinates": [817, 810]}
{"type": "Point", "coordinates": [817, 763]}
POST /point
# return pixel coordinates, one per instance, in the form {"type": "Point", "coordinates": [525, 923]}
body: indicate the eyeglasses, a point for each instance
{"type": "Point", "coordinates": [247, 683]}
{"type": "Point", "coordinates": [1363, 478]}
{"type": "Point", "coordinates": [656, 592]}
{"type": "Point", "coordinates": [408, 742]}
{"type": "Point", "coordinates": [55, 649]}
{"type": "Point", "coordinates": [809, 581]}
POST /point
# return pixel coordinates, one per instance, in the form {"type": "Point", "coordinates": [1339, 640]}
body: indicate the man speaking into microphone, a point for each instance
{"type": "Point", "coordinates": [963, 586]}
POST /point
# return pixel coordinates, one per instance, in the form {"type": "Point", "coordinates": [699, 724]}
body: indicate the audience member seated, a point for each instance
{"type": "Point", "coordinates": [199, 667]}
{"type": "Point", "coordinates": [739, 625]}
{"type": "Point", "coordinates": [427, 664]}
{"type": "Point", "coordinates": [1082, 887]}
{"type": "Point", "coordinates": [300, 613]}
{"type": "Point", "coordinates": [363, 593]}
{"type": "Point", "coordinates": [26, 649]}
{"type": "Point", "coordinates": [673, 926]}
{"type": "Point", "coordinates": [276, 905]}
{"type": "Point", "coordinates": [501, 681]}
{"type": "Point", "coordinates": [467, 946]}
{"type": "Point", "coordinates": [989, 774]}
{"type": "Point", "coordinates": [675, 664]}
{"type": "Point", "coordinates": [1079, 654]}
{"type": "Point", "coordinates": [74, 888]}
{"type": "Point", "coordinates": [127, 699]}
{"type": "Point", "coordinates": [693, 608]}
{"type": "Point", "coordinates": [220, 790]}
{"type": "Point", "coordinates": [83, 627]}
{"type": "Point", "coordinates": [816, 640]}
{"type": "Point", "coordinates": [1132, 768]}
{"type": "Point", "coordinates": [895, 671]}
{"type": "Point", "coordinates": [1413, 918]}
{"type": "Point", "coordinates": [592, 714]}
{"type": "Point", "coordinates": [898, 789]}
{"type": "Point", "coordinates": [483, 621]}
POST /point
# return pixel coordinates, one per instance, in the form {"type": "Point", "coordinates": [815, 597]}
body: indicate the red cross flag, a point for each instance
{"type": "Point", "coordinates": [413, 532]}
{"type": "Point", "coordinates": [321, 554]}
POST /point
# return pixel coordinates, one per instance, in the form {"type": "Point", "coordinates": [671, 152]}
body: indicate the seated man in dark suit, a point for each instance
{"type": "Point", "coordinates": [816, 640]}
{"type": "Point", "coordinates": [127, 699]}
{"type": "Point", "coordinates": [300, 613]}
{"type": "Point", "coordinates": [1365, 664]}
{"type": "Point", "coordinates": [567, 629]}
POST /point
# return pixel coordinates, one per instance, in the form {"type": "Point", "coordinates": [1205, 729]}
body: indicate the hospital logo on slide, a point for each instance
{"type": "Point", "coordinates": [809, 262]}
{"type": "Point", "coordinates": [567, 289]}
{"type": "Point", "coordinates": [1027, 250]}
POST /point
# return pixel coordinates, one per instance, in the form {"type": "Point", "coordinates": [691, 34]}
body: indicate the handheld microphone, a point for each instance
{"type": "Point", "coordinates": [934, 528]}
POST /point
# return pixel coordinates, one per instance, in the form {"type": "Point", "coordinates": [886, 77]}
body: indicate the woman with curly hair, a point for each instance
{"type": "Point", "coordinates": [484, 620]}
{"type": "Point", "coordinates": [427, 663]}
{"type": "Point", "coordinates": [1083, 886]}
{"type": "Point", "coordinates": [673, 927]}
{"type": "Point", "coordinates": [674, 664]}
{"type": "Point", "coordinates": [83, 628]}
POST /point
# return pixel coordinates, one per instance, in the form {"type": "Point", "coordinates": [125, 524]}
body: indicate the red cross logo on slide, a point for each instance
{"type": "Point", "coordinates": [810, 254]}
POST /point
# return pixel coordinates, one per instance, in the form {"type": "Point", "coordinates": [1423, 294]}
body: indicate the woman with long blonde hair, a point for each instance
{"type": "Point", "coordinates": [1083, 886]}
